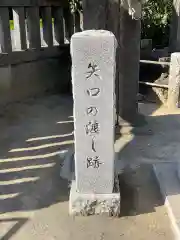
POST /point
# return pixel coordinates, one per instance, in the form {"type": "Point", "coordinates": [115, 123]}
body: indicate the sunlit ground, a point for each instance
{"type": "Point", "coordinates": [33, 198]}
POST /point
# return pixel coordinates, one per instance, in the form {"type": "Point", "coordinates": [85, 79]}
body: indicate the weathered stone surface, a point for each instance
{"type": "Point", "coordinates": [93, 77]}
{"type": "Point", "coordinates": [174, 81]}
{"type": "Point", "coordinates": [94, 204]}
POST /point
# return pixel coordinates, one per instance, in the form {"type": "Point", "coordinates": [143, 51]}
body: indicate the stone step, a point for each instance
{"type": "Point", "coordinates": [169, 183]}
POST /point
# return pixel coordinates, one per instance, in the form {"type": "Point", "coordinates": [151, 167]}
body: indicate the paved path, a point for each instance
{"type": "Point", "coordinates": [34, 200]}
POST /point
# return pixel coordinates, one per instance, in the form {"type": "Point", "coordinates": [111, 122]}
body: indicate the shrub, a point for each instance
{"type": "Point", "coordinates": [156, 17]}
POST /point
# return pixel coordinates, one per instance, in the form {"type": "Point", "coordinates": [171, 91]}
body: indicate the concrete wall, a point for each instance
{"type": "Point", "coordinates": [28, 79]}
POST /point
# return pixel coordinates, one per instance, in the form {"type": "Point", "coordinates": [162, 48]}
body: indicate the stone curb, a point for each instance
{"type": "Point", "coordinates": [169, 183]}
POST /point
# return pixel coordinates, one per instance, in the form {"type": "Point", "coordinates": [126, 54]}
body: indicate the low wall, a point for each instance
{"type": "Point", "coordinates": [34, 48]}
{"type": "Point", "coordinates": [28, 79]}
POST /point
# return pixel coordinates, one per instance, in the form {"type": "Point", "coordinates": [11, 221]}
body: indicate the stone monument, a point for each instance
{"type": "Point", "coordinates": [94, 190]}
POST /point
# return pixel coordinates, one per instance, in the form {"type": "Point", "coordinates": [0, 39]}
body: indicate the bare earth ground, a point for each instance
{"type": "Point", "coordinates": [33, 198]}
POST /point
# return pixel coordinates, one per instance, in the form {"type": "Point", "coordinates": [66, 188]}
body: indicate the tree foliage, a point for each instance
{"type": "Point", "coordinates": [156, 17]}
{"type": "Point", "coordinates": [75, 5]}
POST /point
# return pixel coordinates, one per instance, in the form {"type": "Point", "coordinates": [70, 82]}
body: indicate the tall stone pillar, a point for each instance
{"type": "Point", "coordinates": [94, 14]}
{"type": "Point", "coordinates": [93, 78]}
{"type": "Point", "coordinates": [174, 82]}
{"type": "Point", "coordinates": [130, 31]}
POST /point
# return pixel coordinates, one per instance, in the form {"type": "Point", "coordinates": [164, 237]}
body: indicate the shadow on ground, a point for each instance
{"type": "Point", "coordinates": [137, 149]}
{"type": "Point", "coordinates": [18, 223]}
{"type": "Point", "coordinates": [34, 134]}
{"type": "Point", "coordinates": [33, 137]}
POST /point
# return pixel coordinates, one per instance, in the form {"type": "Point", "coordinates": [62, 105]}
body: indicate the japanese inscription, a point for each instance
{"type": "Point", "coordinates": [92, 128]}
{"type": "Point", "coordinates": [93, 162]}
{"type": "Point", "coordinates": [93, 70]}
{"type": "Point", "coordinates": [93, 92]}
{"type": "Point", "coordinates": [93, 79]}
{"type": "Point", "coordinates": [92, 111]}
{"type": "Point", "coordinates": [93, 145]}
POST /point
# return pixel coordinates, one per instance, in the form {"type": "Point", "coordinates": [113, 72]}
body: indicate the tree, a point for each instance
{"type": "Point", "coordinates": [156, 17]}
{"type": "Point", "coordinates": [75, 5]}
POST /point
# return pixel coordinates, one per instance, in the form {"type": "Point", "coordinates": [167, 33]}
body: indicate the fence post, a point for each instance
{"type": "Point", "coordinates": [5, 35]}
{"type": "Point", "coordinates": [77, 22]}
{"type": "Point", "coordinates": [58, 25]}
{"type": "Point", "coordinates": [33, 27]}
{"type": "Point", "coordinates": [174, 81]}
{"type": "Point", "coordinates": [69, 24]}
{"type": "Point", "coordinates": [47, 25]}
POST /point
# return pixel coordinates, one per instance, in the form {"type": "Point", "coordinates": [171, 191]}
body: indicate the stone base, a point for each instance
{"type": "Point", "coordinates": [94, 204]}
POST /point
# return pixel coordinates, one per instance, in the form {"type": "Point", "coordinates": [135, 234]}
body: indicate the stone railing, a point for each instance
{"type": "Point", "coordinates": [37, 30]}
{"type": "Point", "coordinates": [34, 47]}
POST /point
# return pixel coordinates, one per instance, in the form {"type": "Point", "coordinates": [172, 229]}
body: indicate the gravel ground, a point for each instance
{"type": "Point", "coordinates": [33, 198]}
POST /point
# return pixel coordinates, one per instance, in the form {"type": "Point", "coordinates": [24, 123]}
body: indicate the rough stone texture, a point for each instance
{"type": "Point", "coordinates": [94, 88]}
{"type": "Point", "coordinates": [94, 204]}
{"type": "Point", "coordinates": [174, 81]}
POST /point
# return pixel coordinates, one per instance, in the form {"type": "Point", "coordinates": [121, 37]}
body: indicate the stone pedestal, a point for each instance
{"type": "Point", "coordinates": [87, 204]}
{"type": "Point", "coordinates": [93, 77]}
